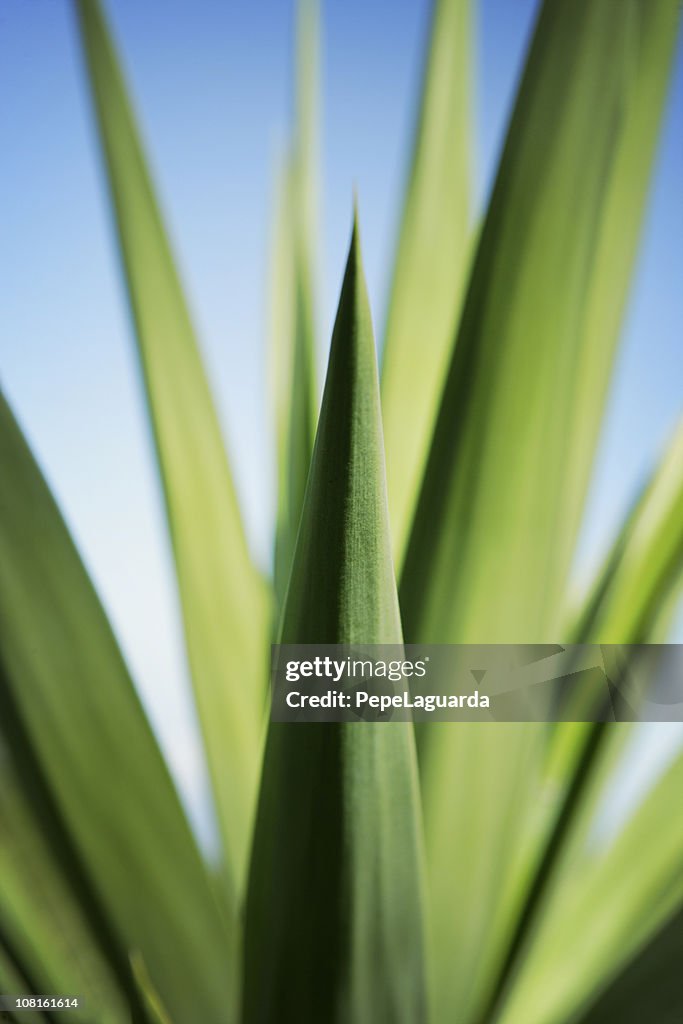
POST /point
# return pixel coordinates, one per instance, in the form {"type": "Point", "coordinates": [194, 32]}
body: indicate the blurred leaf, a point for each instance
{"type": "Point", "coordinates": [649, 987]}
{"type": "Point", "coordinates": [615, 902]}
{"type": "Point", "coordinates": [40, 913]}
{"type": "Point", "coordinates": [223, 599]}
{"type": "Point", "coordinates": [641, 574]}
{"type": "Point", "coordinates": [16, 976]}
{"type": "Point", "coordinates": [655, 25]}
{"type": "Point", "coordinates": [644, 569]}
{"type": "Point", "coordinates": [157, 1011]}
{"type": "Point", "coordinates": [496, 523]}
{"type": "Point", "coordinates": [475, 783]}
{"type": "Point", "coordinates": [293, 327]}
{"type": "Point", "coordinates": [431, 261]}
{"type": "Point", "coordinates": [334, 918]}
{"type": "Point", "coordinates": [88, 761]}
{"type": "Point", "coordinates": [633, 598]}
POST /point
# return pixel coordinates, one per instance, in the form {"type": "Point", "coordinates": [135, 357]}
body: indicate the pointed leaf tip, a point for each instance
{"type": "Point", "coordinates": [356, 218]}
{"type": "Point", "coordinates": [334, 908]}
{"type": "Point", "coordinates": [342, 588]}
{"type": "Point", "coordinates": [224, 601]}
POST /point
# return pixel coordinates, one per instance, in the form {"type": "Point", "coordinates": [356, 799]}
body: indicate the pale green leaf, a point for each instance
{"type": "Point", "coordinates": [495, 527]}
{"type": "Point", "coordinates": [632, 600]}
{"type": "Point", "coordinates": [583, 757]}
{"type": "Point", "coordinates": [643, 572]}
{"type": "Point", "coordinates": [293, 320]}
{"type": "Point", "coordinates": [431, 260]}
{"type": "Point", "coordinates": [621, 895]}
{"type": "Point", "coordinates": [655, 25]}
{"type": "Point", "coordinates": [496, 522]}
{"type": "Point", "coordinates": [632, 594]}
{"type": "Point", "coordinates": [475, 783]}
{"type": "Point", "coordinates": [224, 603]}
{"type": "Point", "coordinates": [334, 916]}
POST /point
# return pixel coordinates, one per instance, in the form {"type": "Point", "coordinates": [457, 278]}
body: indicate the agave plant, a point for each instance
{"type": "Point", "coordinates": [363, 876]}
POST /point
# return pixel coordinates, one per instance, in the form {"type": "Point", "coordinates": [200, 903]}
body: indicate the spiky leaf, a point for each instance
{"type": "Point", "coordinates": [88, 760]}
{"type": "Point", "coordinates": [223, 599]}
{"type": "Point", "coordinates": [293, 328]}
{"type": "Point", "coordinates": [334, 917]}
{"type": "Point", "coordinates": [431, 260]}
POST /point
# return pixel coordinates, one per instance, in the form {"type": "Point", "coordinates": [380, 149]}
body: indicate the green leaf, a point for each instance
{"type": "Point", "coordinates": [40, 914]}
{"type": "Point", "coordinates": [643, 572]}
{"type": "Point", "coordinates": [631, 599]}
{"type": "Point", "coordinates": [496, 522]}
{"type": "Point", "coordinates": [334, 916]}
{"type": "Point", "coordinates": [89, 763]}
{"type": "Point", "coordinates": [16, 974]}
{"type": "Point", "coordinates": [606, 910]}
{"type": "Point", "coordinates": [293, 326]}
{"type": "Point", "coordinates": [655, 28]}
{"type": "Point", "coordinates": [431, 261]}
{"type": "Point", "coordinates": [223, 599]}
{"type": "Point", "coordinates": [15, 977]}
{"type": "Point", "coordinates": [475, 783]}
{"type": "Point", "coordinates": [649, 987]}
{"type": "Point", "coordinates": [156, 1009]}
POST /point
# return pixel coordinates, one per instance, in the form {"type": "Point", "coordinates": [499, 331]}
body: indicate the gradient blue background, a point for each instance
{"type": "Point", "coordinates": [212, 86]}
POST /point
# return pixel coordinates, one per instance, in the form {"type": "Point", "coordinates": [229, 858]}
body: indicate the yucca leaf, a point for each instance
{"type": "Point", "coordinates": [40, 914]}
{"type": "Point", "coordinates": [476, 807]}
{"type": "Point", "coordinates": [88, 761]}
{"type": "Point", "coordinates": [616, 900]}
{"type": "Point", "coordinates": [306, 146]}
{"type": "Point", "coordinates": [290, 420]}
{"type": "Point", "coordinates": [293, 327]}
{"type": "Point", "coordinates": [633, 597]}
{"type": "Point", "coordinates": [295, 439]}
{"type": "Point", "coordinates": [641, 573]}
{"type": "Point", "coordinates": [157, 1011]}
{"type": "Point", "coordinates": [656, 30]}
{"type": "Point", "coordinates": [649, 987]}
{"type": "Point", "coordinates": [644, 569]}
{"type": "Point", "coordinates": [495, 526]}
{"type": "Point", "coordinates": [431, 260]}
{"type": "Point", "coordinates": [334, 915]}
{"type": "Point", "coordinates": [17, 976]}
{"type": "Point", "coordinates": [223, 599]}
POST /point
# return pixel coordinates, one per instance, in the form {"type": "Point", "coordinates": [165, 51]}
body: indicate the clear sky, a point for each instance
{"type": "Point", "coordinates": [211, 82]}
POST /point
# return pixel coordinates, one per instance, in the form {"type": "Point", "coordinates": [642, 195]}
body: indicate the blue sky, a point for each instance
{"type": "Point", "coordinates": [212, 85]}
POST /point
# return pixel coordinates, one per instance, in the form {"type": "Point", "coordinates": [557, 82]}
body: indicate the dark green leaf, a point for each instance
{"type": "Point", "coordinates": [649, 988]}
{"type": "Point", "coordinates": [334, 916]}
{"type": "Point", "coordinates": [88, 759]}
